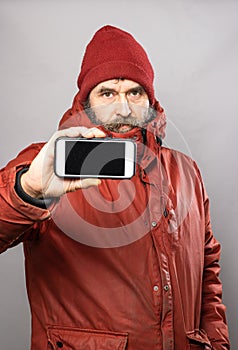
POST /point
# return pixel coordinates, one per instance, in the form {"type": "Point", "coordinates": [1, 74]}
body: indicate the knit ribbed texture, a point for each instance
{"type": "Point", "coordinates": [114, 53]}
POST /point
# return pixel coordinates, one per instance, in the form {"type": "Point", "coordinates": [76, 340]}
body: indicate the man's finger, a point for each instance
{"type": "Point", "coordinates": [88, 182]}
{"type": "Point", "coordinates": [94, 132]}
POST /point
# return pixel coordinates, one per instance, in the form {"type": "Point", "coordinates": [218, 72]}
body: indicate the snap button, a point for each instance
{"type": "Point", "coordinates": [154, 224]}
{"type": "Point", "coordinates": [166, 213]}
{"type": "Point", "coordinates": [59, 344]}
{"type": "Point", "coordinates": [166, 287]}
{"type": "Point", "coordinates": [155, 288]}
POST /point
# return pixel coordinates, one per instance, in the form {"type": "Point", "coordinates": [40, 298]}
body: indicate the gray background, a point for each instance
{"type": "Point", "coordinates": [194, 50]}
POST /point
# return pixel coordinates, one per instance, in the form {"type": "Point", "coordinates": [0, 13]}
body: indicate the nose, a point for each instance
{"type": "Point", "coordinates": [122, 107]}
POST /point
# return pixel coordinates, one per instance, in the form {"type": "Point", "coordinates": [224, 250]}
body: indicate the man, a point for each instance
{"type": "Point", "coordinates": [115, 264]}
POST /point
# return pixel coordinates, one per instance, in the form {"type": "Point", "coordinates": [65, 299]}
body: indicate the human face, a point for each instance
{"type": "Point", "coordinates": [119, 104]}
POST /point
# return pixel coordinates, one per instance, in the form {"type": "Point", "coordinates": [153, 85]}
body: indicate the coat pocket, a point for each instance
{"type": "Point", "coordinates": [68, 338]}
{"type": "Point", "coordinates": [198, 340]}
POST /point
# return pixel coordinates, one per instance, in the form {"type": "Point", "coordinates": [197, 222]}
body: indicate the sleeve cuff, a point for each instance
{"type": "Point", "coordinates": [42, 203]}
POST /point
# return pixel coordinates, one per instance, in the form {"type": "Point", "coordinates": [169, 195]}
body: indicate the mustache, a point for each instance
{"type": "Point", "coordinates": [120, 121]}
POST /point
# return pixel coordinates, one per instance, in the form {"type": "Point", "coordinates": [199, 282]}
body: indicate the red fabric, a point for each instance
{"type": "Point", "coordinates": [156, 285]}
{"type": "Point", "coordinates": [85, 294]}
{"type": "Point", "coordinates": [114, 53]}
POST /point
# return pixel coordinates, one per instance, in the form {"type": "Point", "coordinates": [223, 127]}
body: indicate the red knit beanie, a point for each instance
{"type": "Point", "coordinates": [113, 53]}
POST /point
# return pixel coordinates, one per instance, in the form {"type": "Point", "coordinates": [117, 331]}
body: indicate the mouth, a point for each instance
{"type": "Point", "coordinates": [119, 127]}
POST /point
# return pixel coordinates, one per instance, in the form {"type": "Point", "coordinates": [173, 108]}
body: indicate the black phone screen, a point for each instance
{"type": "Point", "coordinates": [94, 158]}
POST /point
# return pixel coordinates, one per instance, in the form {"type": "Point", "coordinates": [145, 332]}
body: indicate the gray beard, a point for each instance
{"type": "Point", "coordinates": [120, 121]}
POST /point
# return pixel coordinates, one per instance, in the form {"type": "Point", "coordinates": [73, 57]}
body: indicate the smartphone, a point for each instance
{"type": "Point", "coordinates": [101, 158]}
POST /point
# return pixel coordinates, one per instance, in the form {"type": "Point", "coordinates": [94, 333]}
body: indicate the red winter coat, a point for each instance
{"type": "Point", "coordinates": [132, 264]}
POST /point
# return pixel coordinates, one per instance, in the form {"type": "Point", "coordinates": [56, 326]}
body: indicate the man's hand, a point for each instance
{"type": "Point", "coordinates": [40, 180]}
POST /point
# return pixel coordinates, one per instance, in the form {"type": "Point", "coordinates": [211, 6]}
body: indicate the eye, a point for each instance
{"type": "Point", "coordinates": [107, 94]}
{"type": "Point", "coordinates": [136, 93]}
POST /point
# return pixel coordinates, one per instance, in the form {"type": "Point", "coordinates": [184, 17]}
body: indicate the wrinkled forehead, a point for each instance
{"type": "Point", "coordinates": [118, 84]}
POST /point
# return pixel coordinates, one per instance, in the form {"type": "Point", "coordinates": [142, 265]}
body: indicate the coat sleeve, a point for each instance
{"type": "Point", "coordinates": [213, 318]}
{"type": "Point", "coordinates": [17, 217]}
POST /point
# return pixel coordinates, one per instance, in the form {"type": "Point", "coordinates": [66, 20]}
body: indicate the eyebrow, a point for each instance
{"type": "Point", "coordinates": [105, 89]}
{"type": "Point", "coordinates": [138, 88]}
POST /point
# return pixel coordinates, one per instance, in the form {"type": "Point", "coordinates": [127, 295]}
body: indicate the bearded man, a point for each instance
{"type": "Point", "coordinates": [115, 264]}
